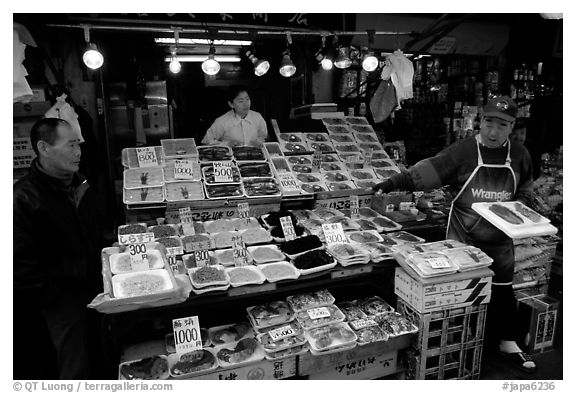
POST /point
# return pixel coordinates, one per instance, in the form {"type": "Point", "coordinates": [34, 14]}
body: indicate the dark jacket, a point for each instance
{"type": "Point", "coordinates": [57, 237]}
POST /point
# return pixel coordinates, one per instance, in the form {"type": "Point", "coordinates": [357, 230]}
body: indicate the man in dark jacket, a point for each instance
{"type": "Point", "coordinates": [57, 241]}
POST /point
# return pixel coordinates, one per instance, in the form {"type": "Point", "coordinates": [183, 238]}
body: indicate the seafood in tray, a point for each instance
{"type": "Point", "coordinates": [273, 149]}
{"type": "Point", "coordinates": [300, 168]}
{"type": "Point", "coordinates": [386, 224]}
{"type": "Point", "coordinates": [338, 129]}
{"type": "Point", "coordinates": [335, 177]}
{"type": "Point", "coordinates": [219, 191]}
{"type": "Point", "coordinates": [264, 316]}
{"type": "Point", "coordinates": [171, 345]}
{"type": "Point", "coordinates": [226, 257]}
{"type": "Point", "coordinates": [356, 120]}
{"type": "Point", "coordinates": [291, 147]}
{"type": "Point", "coordinates": [248, 153]}
{"type": "Point", "coordinates": [214, 153]}
{"type": "Point", "coordinates": [280, 165]}
{"type": "Point", "coordinates": [346, 148]}
{"type": "Point", "coordinates": [143, 177]}
{"type": "Point", "coordinates": [301, 160]}
{"type": "Point", "coordinates": [330, 121]}
{"type": "Point", "coordinates": [261, 187]}
{"type": "Point", "coordinates": [209, 178]}
{"type": "Point", "coordinates": [380, 155]}
{"type": "Point", "coordinates": [192, 363]}
{"type": "Point", "coordinates": [324, 147]}
{"type": "Point", "coordinates": [319, 316]}
{"type": "Point", "coordinates": [290, 137]}
{"type": "Point", "coordinates": [378, 251]}
{"type": "Point", "coordinates": [325, 213]}
{"type": "Point", "coordinates": [332, 166]}
{"type": "Point", "coordinates": [312, 188]}
{"type": "Point", "coordinates": [224, 239]}
{"type": "Point", "coordinates": [132, 229]}
{"type": "Point", "coordinates": [383, 163]}
{"type": "Point", "coordinates": [364, 237]}
{"type": "Point", "coordinates": [179, 148]}
{"type": "Point", "coordinates": [255, 169]}
{"type": "Point", "coordinates": [308, 300]}
{"type": "Point", "coordinates": [385, 173]}
{"type": "Point", "coordinates": [342, 138]}
{"type": "Point", "coordinates": [164, 230]}
{"type": "Point", "coordinates": [130, 157]}
{"type": "Point", "coordinates": [362, 174]}
{"type": "Point", "coordinates": [363, 128]}
{"type": "Point", "coordinates": [366, 137]}
{"type": "Point", "coordinates": [347, 223]}
{"type": "Point", "coordinates": [184, 191]}
{"type": "Point", "coordinates": [230, 334]}
{"type": "Point", "coordinates": [330, 336]}
{"type": "Point", "coordinates": [282, 344]}
{"type": "Point", "coordinates": [245, 275]}
{"type": "Point", "coordinates": [150, 368]}
{"type": "Point", "coordinates": [300, 245]}
{"type": "Point", "coordinates": [373, 305]}
{"type": "Point", "coordinates": [341, 185]}
{"type": "Point", "coordinates": [431, 264]}
{"type": "Point", "coordinates": [308, 178]}
{"type": "Point", "coordinates": [316, 137]}
{"type": "Point", "coordinates": [148, 282]}
{"type": "Point", "coordinates": [304, 215]}
{"type": "Point", "coordinates": [288, 352]}
{"type": "Point", "coordinates": [370, 334]}
{"type": "Point", "coordinates": [314, 261]}
{"type": "Point", "coordinates": [351, 311]}
{"type": "Point", "coordinates": [207, 276]}
{"type": "Point", "coordinates": [143, 195]}
{"type": "Point", "coordinates": [247, 350]}
{"type": "Point", "coordinates": [120, 263]}
{"type": "Point", "coordinates": [348, 254]}
{"type": "Point", "coordinates": [395, 324]}
{"type": "Point", "coordinates": [468, 258]}
{"type": "Point", "coordinates": [406, 237]}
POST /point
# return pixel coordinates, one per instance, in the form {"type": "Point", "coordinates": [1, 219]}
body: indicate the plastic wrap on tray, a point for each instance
{"type": "Point", "coordinates": [264, 316]}
{"type": "Point", "coordinates": [319, 316]}
{"type": "Point", "coordinates": [247, 350]}
{"type": "Point", "coordinates": [468, 258]}
{"type": "Point", "coordinates": [189, 260]}
{"type": "Point", "coordinates": [386, 224]}
{"type": "Point", "coordinates": [304, 215]}
{"type": "Point", "coordinates": [351, 311]}
{"type": "Point", "coordinates": [301, 168]}
{"type": "Point", "coordinates": [272, 219]}
{"type": "Point", "coordinates": [356, 120]}
{"type": "Point", "coordinates": [272, 149]}
{"type": "Point", "coordinates": [383, 163]}
{"type": "Point", "coordinates": [380, 155]}
{"type": "Point", "coordinates": [192, 363]}
{"type": "Point", "coordinates": [373, 305]}
{"type": "Point", "coordinates": [245, 275]}
{"type": "Point", "coordinates": [255, 236]}
{"type": "Point", "coordinates": [209, 178]}
{"type": "Point", "coordinates": [143, 195]}
{"type": "Point", "coordinates": [292, 147]}
{"type": "Point", "coordinates": [300, 245]}
{"type": "Point", "coordinates": [224, 239]}
{"type": "Point", "coordinates": [346, 148]}
{"type": "Point", "coordinates": [378, 251]}
{"type": "Point", "coordinates": [169, 172]}
{"type": "Point", "coordinates": [184, 191]}
{"type": "Point", "coordinates": [316, 137]}
{"type": "Point", "coordinates": [362, 174]}
{"type": "Point", "coordinates": [273, 341]}
{"type": "Point", "coordinates": [149, 368]}
{"type": "Point", "coordinates": [385, 173]}
{"type": "Point", "coordinates": [312, 188]}
{"type": "Point", "coordinates": [226, 257]}
{"type": "Point", "coordinates": [430, 264]}
{"type": "Point", "coordinates": [335, 177]}
{"type": "Point", "coordinates": [220, 225]}
{"type": "Point", "coordinates": [367, 137]}
{"type": "Point", "coordinates": [179, 148]}
{"type": "Point", "coordinates": [129, 229]}
{"type": "Point", "coordinates": [171, 242]}
{"type": "Point", "coordinates": [266, 254]}
{"type": "Point", "coordinates": [290, 137]}
{"type": "Point", "coordinates": [301, 302]}
{"type": "Point", "coordinates": [346, 251]}
{"type": "Point", "coordinates": [130, 157]}
{"type": "Point", "coordinates": [364, 237]}
{"type": "Point", "coordinates": [261, 187]}
{"type": "Point", "coordinates": [395, 324]}
{"type": "Point", "coordinates": [325, 213]}
{"type": "Point", "coordinates": [333, 166]}
{"type": "Point", "coordinates": [329, 121]}
{"type": "Point", "coordinates": [369, 334]}
{"type": "Point", "coordinates": [301, 160]}
{"type": "Point", "coordinates": [364, 128]}
{"type": "Point", "coordinates": [141, 283]}
{"type": "Point", "coordinates": [143, 177]}
{"type": "Point", "coordinates": [375, 146]}
{"type": "Point", "coordinates": [367, 225]}
{"type": "Point", "coordinates": [230, 334]}
{"type": "Point", "coordinates": [341, 185]}
{"type": "Point", "coordinates": [255, 169]}
{"type": "Point", "coordinates": [347, 223]}
{"type": "Point", "coordinates": [366, 184]}
{"type": "Point", "coordinates": [404, 236]}
{"type": "Point", "coordinates": [120, 263]}
{"type": "Point", "coordinates": [248, 153]}
{"type": "Point", "coordinates": [280, 165]}
{"type": "Point", "coordinates": [240, 224]}
{"type": "Point", "coordinates": [342, 138]}
{"type": "Point", "coordinates": [309, 178]}
{"type": "Point", "coordinates": [313, 261]}
{"type": "Point", "coordinates": [324, 147]}
{"type": "Point", "coordinates": [220, 191]}
{"type": "Point", "coordinates": [330, 336]}
{"type": "Point", "coordinates": [213, 153]}
{"type": "Point", "coordinates": [338, 129]}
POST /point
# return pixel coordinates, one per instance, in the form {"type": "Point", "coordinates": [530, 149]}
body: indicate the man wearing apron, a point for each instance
{"type": "Point", "coordinates": [485, 168]}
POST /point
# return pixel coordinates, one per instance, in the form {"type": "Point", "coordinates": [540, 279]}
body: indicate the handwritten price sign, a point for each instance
{"type": "Point", "coordinates": [288, 228]}
{"type": "Point", "coordinates": [183, 170]}
{"type": "Point", "coordinates": [223, 172]}
{"type": "Point", "coordinates": [138, 257]}
{"type": "Point", "coordinates": [334, 233]}
{"type": "Point", "coordinates": [187, 336]}
{"type": "Point", "coordinates": [146, 157]}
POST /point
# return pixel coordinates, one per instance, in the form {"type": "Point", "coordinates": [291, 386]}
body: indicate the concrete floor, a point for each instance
{"type": "Point", "coordinates": [549, 366]}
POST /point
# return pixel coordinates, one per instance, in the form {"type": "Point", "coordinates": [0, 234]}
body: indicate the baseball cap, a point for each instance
{"type": "Point", "coordinates": [502, 107]}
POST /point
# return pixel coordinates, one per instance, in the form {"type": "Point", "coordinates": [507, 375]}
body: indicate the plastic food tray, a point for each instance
{"type": "Point", "coordinates": [215, 226]}
{"type": "Point", "coordinates": [406, 237]}
{"type": "Point", "coordinates": [356, 120]}
{"type": "Point", "coordinates": [341, 185]}
{"type": "Point", "coordinates": [287, 353]}
{"type": "Point", "coordinates": [336, 177]}
{"type": "Point", "coordinates": [221, 330]}
{"type": "Point", "coordinates": [265, 322]}
{"type": "Point", "coordinates": [179, 148]}
{"type": "Point", "coordinates": [337, 249]}
{"type": "Point", "coordinates": [346, 148]}
{"type": "Point", "coordinates": [169, 172]}
{"type": "Point", "coordinates": [255, 357]}
{"type": "Point", "coordinates": [385, 173]}
{"type": "Point", "coordinates": [271, 347]}
{"type": "Point", "coordinates": [258, 156]}
{"type": "Point", "coordinates": [421, 264]}
{"type": "Point", "coordinates": [300, 160]}
{"type": "Point", "coordinates": [272, 149]}
{"type": "Point", "coordinates": [174, 358]}
{"type": "Point", "coordinates": [375, 146]}
{"type": "Point", "coordinates": [364, 127]}
{"type": "Point", "coordinates": [302, 168]}
{"type": "Point", "coordinates": [325, 213]}
{"type": "Point", "coordinates": [122, 228]}
{"type": "Point", "coordinates": [386, 224]}
{"type": "Point", "coordinates": [255, 236]}
{"type": "Point", "coordinates": [240, 224]}
{"type": "Point", "coordinates": [351, 311]}
{"type": "Point", "coordinates": [197, 285]}
{"type": "Point", "coordinates": [205, 156]}
{"type": "Point", "coordinates": [294, 147]}
{"type": "Point", "coordinates": [309, 300]}
{"type": "Point", "coordinates": [215, 288]}
{"type": "Point", "coordinates": [380, 155]}
{"type": "Point", "coordinates": [259, 280]}
{"type": "Point", "coordinates": [269, 184]}
{"type": "Point", "coordinates": [160, 277]}
{"type": "Point", "coordinates": [315, 335]}
{"type": "Point", "coordinates": [294, 137]}
{"type": "Point", "coordinates": [277, 255]}
{"type": "Point", "coordinates": [383, 163]}
{"type": "Point", "coordinates": [280, 165]}
{"type": "Point", "coordinates": [312, 188]}
{"type": "Point", "coordinates": [305, 320]}
{"type": "Point", "coordinates": [468, 258]}
{"type": "Point", "coordinates": [347, 223]}
{"type": "Point", "coordinates": [316, 137]}
{"type": "Point", "coordinates": [289, 271]}
{"type": "Point", "coordinates": [117, 260]}
{"type": "Point", "coordinates": [325, 147]}
{"type": "Point", "coordinates": [130, 158]}
{"type": "Point", "coordinates": [189, 261]}
{"type": "Point", "coordinates": [304, 215]}
{"type": "Point", "coordinates": [366, 184]}
{"type": "Point", "coordinates": [333, 167]}
{"type": "Point", "coordinates": [342, 138]}
{"type": "Point", "coordinates": [330, 121]}
{"type": "Point", "coordinates": [238, 191]}
{"type": "Point", "coordinates": [184, 191]}
{"type": "Point", "coordinates": [162, 376]}
{"type": "Point", "coordinates": [139, 196]}
{"type": "Point", "coordinates": [364, 237]}
{"type": "Point", "coordinates": [143, 177]}
{"type": "Point", "coordinates": [226, 257]}
{"type": "Point", "coordinates": [362, 174]}
{"type": "Point", "coordinates": [235, 175]}
{"type": "Point", "coordinates": [242, 167]}
{"type": "Point", "coordinates": [164, 230]}
{"type": "Point", "coordinates": [339, 129]}
{"type": "Point", "coordinates": [365, 137]}
{"type": "Point", "coordinates": [339, 348]}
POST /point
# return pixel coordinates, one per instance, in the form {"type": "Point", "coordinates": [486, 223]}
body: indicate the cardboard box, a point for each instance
{"type": "Point", "coordinates": [264, 370]}
{"type": "Point", "coordinates": [537, 316]}
{"type": "Point", "coordinates": [436, 293]}
{"type": "Point", "coordinates": [379, 203]}
{"type": "Point", "coordinates": [370, 367]}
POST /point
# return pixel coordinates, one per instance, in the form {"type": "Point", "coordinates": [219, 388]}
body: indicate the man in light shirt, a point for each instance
{"type": "Point", "coordinates": [240, 126]}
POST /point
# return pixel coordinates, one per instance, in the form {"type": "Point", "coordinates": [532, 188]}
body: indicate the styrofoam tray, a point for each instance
{"type": "Point", "coordinates": [214, 330]}
{"type": "Point", "coordinates": [160, 276]}
{"type": "Point", "coordinates": [366, 236]}
{"type": "Point", "coordinates": [317, 269]}
{"type": "Point", "coordinates": [255, 357]}
{"type": "Point", "coordinates": [140, 196]}
{"type": "Point", "coordinates": [337, 342]}
{"type": "Point", "coordinates": [179, 148]}
{"type": "Point", "coordinates": [197, 285]}
{"type": "Point", "coordinates": [169, 172]}
{"type": "Point", "coordinates": [143, 177]}
{"type": "Point", "coordinates": [263, 324]}
{"type": "Point", "coordinates": [292, 272]}
{"type": "Point", "coordinates": [155, 261]}
{"type": "Point", "coordinates": [184, 191]}
{"type": "Point", "coordinates": [237, 193]}
{"type": "Point", "coordinates": [215, 288]}
{"type": "Point", "coordinates": [164, 375]}
{"type": "Point", "coordinates": [174, 358]}
{"type": "Point", "coordinates": [130, 159]}
{"type": "Point", "coordinates": [280, 256]}
{"type": "Point", "coordinates": [260, 280]}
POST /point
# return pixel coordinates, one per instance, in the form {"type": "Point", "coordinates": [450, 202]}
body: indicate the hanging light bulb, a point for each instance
{"type": "Point", "coordinates": [260, 66]}
{"type": "Point", "coordinates": [326, 64]}
{"type": "Point", "coordinates": [342, 60]}
{"type": "Point", "coordinates": [210, 66]}
{"type": "Point", "coordinates": [91, 57]}
{"type": "Point", "coordinates": [322, 55]}
{"type": "Point", "coordinates": [175, 65]}
{"type": "Point", "coordinates": [369, 61]}
{"type": "Point", "coordinates": [287, 67]}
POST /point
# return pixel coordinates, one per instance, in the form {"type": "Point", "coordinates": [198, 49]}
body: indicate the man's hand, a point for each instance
{"type": "Point", "coordinates": [383, 188]}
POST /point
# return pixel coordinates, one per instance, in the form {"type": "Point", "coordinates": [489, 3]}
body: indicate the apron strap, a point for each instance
{"type": "Point", "coordinates": [480, 161]}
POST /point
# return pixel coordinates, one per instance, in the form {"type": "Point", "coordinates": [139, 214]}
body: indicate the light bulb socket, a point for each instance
{"type": "Point", "coordinates": [287, 67]}
{"type": "Point", "coordinates": [343, 59]}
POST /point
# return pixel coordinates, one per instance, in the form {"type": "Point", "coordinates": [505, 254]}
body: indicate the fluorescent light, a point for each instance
{"type": "Point", "coordinates": [202, 58]}
{"type": "Point", "coordinates": [200, 41]}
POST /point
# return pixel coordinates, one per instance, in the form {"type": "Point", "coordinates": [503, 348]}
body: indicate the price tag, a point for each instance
{"type": "Point", "coordinates": [316, 160]}
{"type": "Point", "coordinates": [223, 172]}
{"type": "Point", "coordinates": [187, 335]}
{"type": "Point", "coordinates": [288, 182]}
{"type": "Point", "coordinates": [202, 245]}
{"type": "Point", "coordinates": [244, 210]}
{"type": "Point", "coordinates": [187, 221]}
{"type": "Point", "coordinates": [406, 205]}
{"type": "Point", "coordinates": [389, 208]}
{"type": "Point", "coordinates": [138, 257]}
{"type": "Point", "coordinates": [287, 228]}
{"type": "Point", "coordinates": [202, 257]}
{"type": "Point", "coordinates": [146, 157]}
{"type": "Point", "coordinates": [334, 233]}
{"type": "Point", "coordinates": [183, 170]}
{"type": "Point", "coordinates": [362, 323]}
{"type": "Point", "coordinates": [175, 264]}
{"type": "Point", "coordinates": [368, 156]}
{"type": "Point", "coordinates": [438, 263]}
{"type": "Point", "coordinates": [354, 207]}
{"type": "Point", "coordinates": [317, 313]}
{"type": "Point", "coordinates": [134, 238]}
{"type": "Point", "coordinates": [239, 251]}
{"type": "Point", "coordinates": [281, 332]}
{"type": "Point", "coordinates": [173, 251]}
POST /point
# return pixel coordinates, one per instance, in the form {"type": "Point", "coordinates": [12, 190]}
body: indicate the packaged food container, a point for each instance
{"type": "Point", "coordinates": [304, 215]}
{"type": "Point", "coordinates": [169, 176]}
{"type": "Point", "coordinates": [143, 195]}
{"type": "Point", "coordinates": [226, 257]}
{"type": "Point", "coordinates": [143, 177]}
{"type": "Point", "coordinates": [173, 245]}
{"type": "Point", "coordinates": [369, 334]}
{"type": "Point", "coordinates": [333, 166]}
{"type": "Point", "coordinates": [179, 148]}
{"type": "Point", "coordinates": [221, 225]}
{"type": "Point", "coordinates": [380, 155]}
{"type": "Point", "coordinates": [150, 368]}
{"type": "Point", "coordinates": [129, 229]}
{"type": "Point", "coordinates": [312, 188]}
{"type": "Point", "coordinates": [362, 128]}
{"type": "Point", "coordinates": [208, 175]}
{"type": "Point", "coordinates": [395, 324]}
{"type": "Point", "coordinates": [325, 213]}
{"type": "Point", "coordinates": [302, 302]}
{"type": "Point", "coordinates": [356, 120]}
{"type": "Point", "coordinates": [187, 241]}
{"type": "Point", "coordinates": [383, 163]}
{"type": "Point", "coordinates": [292, 147]}
{"type": "Point", "coordinates": [255, 236]}
{"type": "Point", "coordinates": [332, 121]}
{"type": "Point", "coordinates": [224, 191]}
{"type": "Point", "coordinates": [362, 174]}
{"type": "Point", "coordinates": [248, 153]}
{"type": "Point", "coordinates": [287, 353]}
{"type": "Point", "coordinates": [330, 336]}
{"type": "Point", "coordinates": [341, 185]}
{"type": "Point", "coordinates": [272, 149]}
{"type": "Point", "coordinates": [342, 138]}
{"type": "Point", "coordinates": [403, 236]}
{"type": "Point", "coordinates": [255, 169]}
{"type": "Point", "coordinates": [316, 137]}
{"type": "Point", "coordinates": [301, 168]}
{"type": "Point", "coordinates": [367, 137]}
{"type": "Point", "coordinates": [206, 276]}
{"type": "Point", "coordinates": [240, 224]}
{"type": "Point", "coordinates": [373, 305]}
{"type": "Point", "coordinates": [230, 334]}
{"type": "Point", "coordinates": [468, 258]}
{"type": "Point", "coordinates": [280, 165]}
{"type": "Point", "coordinates": [277, 271]}
{"type": "Point", "coordinates": [319, 316]}
{"type": "Point", "coordinates": [376, 146]}
{"type": "Point", "coordinates": [351, 311]}
{"type": "Point", "coordinates": [143, 283]}
{"type": "Point", "coordinates": [366, 184]}
{"type": "Point", "coordinates": [313, 261]}
{"type": "Point", "coordinates": [246, 351]}
{"type": "Point", "coordinates": [271, 346]}
{"type": "Point", "coordinates": [184, 191]}
{"type": "Point", "coordinates": [261, 187]}
{"type": "Point", "coordinates": [338, 129]}
{"type": "Point", "coordinates": [300, 246]}
{"type": "Point", "coordinates": [245, 275]}
{"type": "Point", "coordinates": [386, 224]}
{"type": "Point", "coordinates": [309, 178]}
{"type": "Point", "coordinates": [324, 147]}
{"type": "Point", "coordinates": [266, 254]}
{"type": "Point", "coordinates": [327, 157]}
{"type": "Point", "coordinates": [431, 264]}
{"type": "Point", "coordinates": [214, 153]}
{"type": "Point", "coordinates": [300, 160]}
{"type": "Point", "coordinates": [348, 254]}
{"type": "Point", "coordinates": [364, 237]}
{"type": "Point", "coordinates": [346, 148]}
{"type": "Point", "coordinates": [130, 157]}
{"type": "Point", "coordinates": [347, 223]}
{"type": "Point", "coordinates": [189, 260]}
{"type": "Point", "coordinates": [270, 314]}
{"type": "Point", "coordinates": [290, 137]}
{"type": "Point", "coordinates": [385, 173]}
{"type": "Point", "coordinates": [192, 363]}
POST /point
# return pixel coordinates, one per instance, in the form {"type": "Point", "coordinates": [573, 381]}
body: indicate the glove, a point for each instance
{"type": "Point", "coordinates": [383, 188]}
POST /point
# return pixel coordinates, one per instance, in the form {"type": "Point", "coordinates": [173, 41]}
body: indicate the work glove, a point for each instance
{"type": "Point", "coordinates": [383, 188]}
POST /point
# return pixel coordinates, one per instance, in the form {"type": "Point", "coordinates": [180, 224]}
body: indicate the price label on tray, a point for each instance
{"type": "Point", "coordinates": [223, 172]}
{"type": "Point", "coordinates": [187, 221]}
{"type": "Point", "coordinates": [368, 156]}
{"type": "Point", "coordinates": [389, 208]}
{"type": "Point", "coordinates": [438, 263]}
{"type": "Point", "coordinates": [244, 210]}
{"type": "Point", "coordinates": [334, 233]}
{"type": "Point", "coordinates": [146, 157]}
{"type": "Point", "coordinates": [134, 238]}
{"type": "Point", "coordinates": [202, 257]}
{"type": "Point", "coordinates": [174, 264]}
{"type": "Point", "coordinates": [281, 332]}
{"type": "Point", "coordinates": [187, 335]}
{"type": "Point", "coordinates": [173, 251]}
{"type": "Point", "coordinates": [288, 182]}
{"type": "Point", "coordinates": [319, 312]}
{"type": "Point", "coordinates": [354, 207]}
{"type": "Point", "coordinates": [183, 170]}
{"type": "Point", "coordinates": [406, 205]}
{"type": "Point", "coordinates": [316, 160]}
{"type": "Point", "coordinates": [362, 323]}
{"type": "Point", "coordinates": [138, 257]}
{"type": "Point", "coordinates": [287, 228]}
{"type": "Point", "coordinates": [239, 251]}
